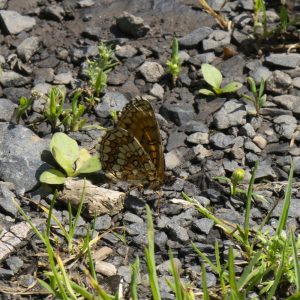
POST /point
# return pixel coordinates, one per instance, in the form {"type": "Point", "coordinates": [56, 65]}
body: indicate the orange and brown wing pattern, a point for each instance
{"type": "Point", "coordinates": [133, 150]}
{"type": "Point", "coordinates": [146, 130]}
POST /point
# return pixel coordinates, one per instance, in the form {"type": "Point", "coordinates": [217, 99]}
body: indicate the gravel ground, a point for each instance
{"type": "Point", "coordinates": [46, 43]}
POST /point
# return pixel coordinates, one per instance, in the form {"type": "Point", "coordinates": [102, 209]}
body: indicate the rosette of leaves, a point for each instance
{"type": "Point", "coordinates": [214, 78]}
{"type": "Point", "coordinates": [72, 160]}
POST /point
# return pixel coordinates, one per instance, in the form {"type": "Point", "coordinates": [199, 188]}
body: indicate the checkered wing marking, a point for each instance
{"type": "Point", "coordinates": [124, 157]}
{"type": "Point", "coordinates": [138, 118]}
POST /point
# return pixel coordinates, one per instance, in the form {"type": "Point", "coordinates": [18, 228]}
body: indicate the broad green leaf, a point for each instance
{"type": "Point", "coordinates": [65, 151]}
{"type": "Point", "coordinates": [211, 75]}
{"type": "Point", "coordinates": [64, 161]}
{"type": "Point", "coordinates": [52, 176]}
{"type": "Point", "coordinates": [231, 87]}
{"type": "Point", "coordinates": [206, 92]}
{"type": "Point", "coordinates": [90, 165]}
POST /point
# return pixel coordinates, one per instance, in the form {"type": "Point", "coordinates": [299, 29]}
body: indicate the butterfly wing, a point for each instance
{"type": "Point", "coordinates": [138, 118]}
{"type": "Point", "coordinates": [123, 157]}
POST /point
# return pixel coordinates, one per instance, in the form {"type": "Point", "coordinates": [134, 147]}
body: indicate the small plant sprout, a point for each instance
{"type": "Point", "coordinates": [214, 78]}
{"type": "Point", "coordinates": [174, 64]}
{"type": "Point", "coordinates": [258, 98]}
{"type": "Point", "coordinates": [54, 106]}
{"type": "Point", "coordinates": [70, 158]}
{"type": "Point", "coordinates": [237, 176]}
{"type": "Point", "coordinates": [260, 7]}
{"type": "Point", "coordinates": [72, 118]}
{"type": "Point", "coordinates": [98, 69]}
{"type": "Point", "coordinates": [24, 105]}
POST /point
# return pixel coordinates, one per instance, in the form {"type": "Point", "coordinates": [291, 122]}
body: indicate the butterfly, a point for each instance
{"type": "Point", "coordinates": [132, 151]}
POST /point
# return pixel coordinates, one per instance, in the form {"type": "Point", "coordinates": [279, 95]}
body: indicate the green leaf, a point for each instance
{"type": "Point", "coordinates": [211, 75]}
{"type": "Point", "coordinates": [53, 176]}
{"type": "Point", "coordinates": [252, 85]}
{"type": "Point", "coordinates": [232, 87]}
{"type": "Point", "coordinates": [206, 92]}
{"type": "Point", "coordinates": [91, 165]}
{"type": "Point", "coordinates": [65, 151]}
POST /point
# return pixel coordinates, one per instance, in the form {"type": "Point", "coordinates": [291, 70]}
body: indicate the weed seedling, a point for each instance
{"type": "Point", "coordinates": [70, 158]}
{"type": "Point", "coordinates": [214, 78]}
{"type": "Point", "coordinates": [54, 106]}
{"type": "Point", "coordinates": [98, 69]}
{"type": "Point", "coordinates": [24, 106]}
{"type": "Point", "coordinates": [174, 64]}
{"type": "Point", "coordinates": [72, 118]}
{"type": "Point", "coordinates": [258, 98]}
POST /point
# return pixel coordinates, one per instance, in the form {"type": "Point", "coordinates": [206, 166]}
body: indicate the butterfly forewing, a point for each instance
{"type": "Point", "coordinates": [133, 150]}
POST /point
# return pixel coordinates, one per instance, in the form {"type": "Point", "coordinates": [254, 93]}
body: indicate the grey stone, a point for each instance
{"type": "Point", "coordinates": [247, 130]}
{"type": "Point", "coordinates": [198, 138]}
{"type": "Point", "coordinates": [203, 225]}
{"type": "Point", "coordinates": [53, 12]}
{"type": "Point", "coordinates": [79, 54]}
{"type": "Point", "coordinates": [194, 38]}
{"type": "Point", "coordinates": [233, 113]}
{"type": "Point", "coordinates": [132, 218]}
{"type": "Point", "coordinates": [294, 211]}
{"type": "Point", "coordinates": [160, 240]}
{"type": "Point", "coordinates": [265, 170]}
{"type": "Point", "coordinates": [6, 274]}
{"type": "Point", "coordinates": [165, 267]}
{"type": "Point", "coordinates": [199, 59]}
{"type": "Point", "coordinates": [111, 101]}
{"type": "Point", "coordinates": [176, 139]}
{"type": "Point", "coordinates": [216, 39]}
{"type": "Point", "coordinates": [173, 159]}
{"type": "Point", "coordinates": [125, 51]}
{"type": "Point", "coordinates": [11, 239]}
{"type": "Point", "coordinates": [42, 75]}
{"type": "Point", "coordinates": [133, 63]}
{"type": "Point", "coordinates": [177, 233]}
{"type": "Point", "coordinates": [92, 33]}
{"type": "Point", "coordinates": [178, 114]}
{"type": "Point", "coordinates": [14, 263]}
{"type": "Point", "coordinates": [287, 60]}
{"type": "Point", "coordinates": [289, 102]}
{"type": "Point", "coordinates": [118, 76]}
{"type": "Point", "coordinates": [14, 23]}
{"type": "Point", "coordinates": [249, 145]}
{"type": "Point", "coordinates": [7, 109]}
{"type": "Point", "coordinates": [296, 82]}
{"type": "Point", "coordinates": [103, 222]}
{"type": "Point", "coordinates": [230, 165]}
{"type": "Point", "coordinates": [285, 125]}
{"type": "Point", "coordinates": [125, 272]}
{"type": "Point", "coordinates": [132, 25]}
{"type": "Point", "coordinates": [279, 82]}
{"type": "Point", "coordinates": [136, 229]}
{"type": "Point", "coordinates": [196, 126]}
{"type": "Point", "coordinates": [7, 204]}
{"type": "Point", "coordinates": [221, 141]}
{"type": "Point", "coordinates": [151, 71]}
{"type": "Point", "coordinates": [19, 146]}
{"type": "Point", "coordinates": [201, 152]}
{"type": "Point", "coordinates": [157, 91]}
{"type": "Point", "coordinates": [11, 78]}
{"type": "Point", "coordinates": [63, 78]}
{"type": "Point", "coordinates": [28, 47]}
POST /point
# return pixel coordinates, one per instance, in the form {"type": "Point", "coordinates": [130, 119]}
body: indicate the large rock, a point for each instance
{"type": "Point", "coordinates": [20, 156]}
{"type": "Point", "coordinates": [13, 23]}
